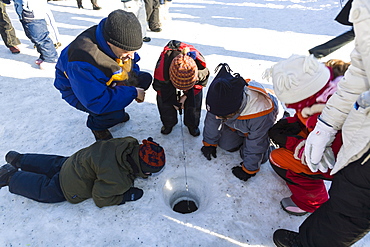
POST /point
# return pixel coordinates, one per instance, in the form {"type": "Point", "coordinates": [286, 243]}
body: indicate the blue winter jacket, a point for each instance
{"type": "Point", "coordinates": [84, 69]}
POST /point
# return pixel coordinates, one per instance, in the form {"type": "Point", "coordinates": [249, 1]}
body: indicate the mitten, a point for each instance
{"type": "Point", "coordinates": [284, 133]}
{"type": "Point", "coordinates": [132, 194]}
{"type": "Point", "coordinates": [242, 175]}
{"type": "Point", "coordinates": [317, 141]}
{"type": "Point", "coordinates": [299, 152]}
{"type": "Point", "coordinates": [208, 151]}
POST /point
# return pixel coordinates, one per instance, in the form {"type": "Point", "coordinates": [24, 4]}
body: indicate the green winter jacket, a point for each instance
{"type": "Point", "coordinates": [101, 171]}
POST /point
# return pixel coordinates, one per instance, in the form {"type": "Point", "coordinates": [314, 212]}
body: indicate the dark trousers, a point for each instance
{"type": "Point", "coordinates": [164, 1]}
{"type": "Point", "coordinates": [38, 178]}
{"type": "Point", "coordinates": [345, 217]}
{"type": "Point", "coordinates": [110, 119]}
{"type": "Point", "coordinates": [152, 13]}
{"type": "Point", "coordinates": [333, 44]}
{"type": "Point", "coordinates": [93, 2]}
{"type": "Point", "coordinates": [7, 31]}
{"type": "Point", "coordinates": [191, 111]}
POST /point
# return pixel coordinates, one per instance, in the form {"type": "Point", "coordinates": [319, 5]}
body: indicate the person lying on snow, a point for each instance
{"type": "Point", "coordinates": [104, 171]}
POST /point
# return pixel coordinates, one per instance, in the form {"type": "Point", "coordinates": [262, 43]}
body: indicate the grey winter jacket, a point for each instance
{"type": "Point", "coordinates": [257, 115]}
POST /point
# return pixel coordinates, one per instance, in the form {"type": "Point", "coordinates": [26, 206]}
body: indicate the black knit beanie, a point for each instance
{"type": "Point", "coordinates": [225, 94]}
{"type": "Point", "coordinates": [123, 30]}
{"type": "Point", "coordinates": [224, 97]}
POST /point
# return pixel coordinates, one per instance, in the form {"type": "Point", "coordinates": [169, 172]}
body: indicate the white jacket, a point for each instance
{"type": "Point", "coordinates": [339, 111]}
{"type": "Point", "coordinates": [31, 9]}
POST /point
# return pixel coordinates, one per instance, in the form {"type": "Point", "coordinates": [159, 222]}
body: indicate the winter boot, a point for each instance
{"type": "Point", "coordinates": [79, 4]}
{"type": "Point", "coordinates": [102, 135]}
{"type": "Point", "coordinates": [194, 131]}
{"type": "Point", "coordinates": [14, 49]}
{"type": "Point", "coordinates": [166, 130]}
{"type": "Point", "coordinates": [291, 208]}
{"type": "Point", "coordinates": [6, 172]}
{"type": "Point", "coordinates": [95, 5]}
{"type": "Point", "coordinates": [146, 39]}
{"type": "Point", "coordinates": [285, 238]}
{"type": "Point", "coordinates": [126, 118]}
{"type": "Point", "coordinates": [13, 158]}
{"type": "Point", "coordinates": [132, 194]}
{"type": "Point", "coordinates": [156, 30]}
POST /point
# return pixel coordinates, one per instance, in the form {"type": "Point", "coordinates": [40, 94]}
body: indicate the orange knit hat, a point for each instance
{"type": "Point", "coordinates": [183, 71]}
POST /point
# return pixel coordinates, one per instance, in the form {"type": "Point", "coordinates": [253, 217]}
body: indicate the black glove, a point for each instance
{"type": "Point", "coordinates": [132, 194]}
{"type": "Point", "coordinates": [282, 130]}
{"type": "Point", "coordinates": [6, 1]}
{"type": "Point", "coordinates": [208, 151]}
{"type": "Point", "coordinates": [242, 175]}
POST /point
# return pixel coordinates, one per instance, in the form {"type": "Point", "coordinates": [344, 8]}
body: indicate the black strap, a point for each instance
{"type": "Point", "coordinates": [133, 164]}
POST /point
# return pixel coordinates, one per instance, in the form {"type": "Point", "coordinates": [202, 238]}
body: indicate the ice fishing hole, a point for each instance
{"type": "Point", "coordinates": [185, 199]}
{"type": "Point", "coordinates": [185, 206]}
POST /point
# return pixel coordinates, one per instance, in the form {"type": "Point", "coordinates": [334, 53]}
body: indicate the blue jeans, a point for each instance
{"type": "Point", "coordinates": [39, 178]}
{"type": "Point", "coordinates": [37, 32]}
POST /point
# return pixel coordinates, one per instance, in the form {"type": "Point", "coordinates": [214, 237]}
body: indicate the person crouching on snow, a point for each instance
{"type": "Point", "coordinates": [179, 78]}
{"type": "Point", "coordinates": [303, 84]}
{"type": "Point", "coordinates": [104, 171]}
{"type": "Point", "coordinates": [239, 115]}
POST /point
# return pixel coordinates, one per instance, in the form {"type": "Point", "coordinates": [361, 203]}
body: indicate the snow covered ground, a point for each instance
{"type": "Point", "coordinates": [248, 35]}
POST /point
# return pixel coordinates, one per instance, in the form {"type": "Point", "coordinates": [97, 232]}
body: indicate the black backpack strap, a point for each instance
{"type": "Point", "coordinates": [225, 72]}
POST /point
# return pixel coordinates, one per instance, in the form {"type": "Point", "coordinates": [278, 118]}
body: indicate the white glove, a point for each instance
{"type": "Point", "coordinates": [327, 161]}
{"type": "Point", "coordinates": [316, 143]}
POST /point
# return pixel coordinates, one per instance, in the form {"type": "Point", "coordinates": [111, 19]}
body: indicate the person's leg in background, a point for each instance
{"type": "Point", "coordinates": [152, 13]}
{"type": "Point", "coordinates": [7, 31]}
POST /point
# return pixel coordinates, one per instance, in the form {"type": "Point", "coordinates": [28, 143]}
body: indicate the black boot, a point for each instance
{"type": "Point", "coordinates": [166, 130]}
{"type": "Point", "coordinates": [102, 135]}
{"type": "Point", "coordinates": [285, 238]}
{"type": "Point", "coordinates": [194, 131]}
{"type": "Point", "coordinates": [6, 172]}
{"type": "Point", "coordinates": [146, 39]}
{"type": "Point", "coordinates": [79, 4]}
{"type": "Point", "coordinates": [95, 5]}
{"type": "Point", "coordinates": [13, 158]}
{"type": "Point", "coordinates": [157, 30]}
{"type": "Point", "coordinates": [126, 118]}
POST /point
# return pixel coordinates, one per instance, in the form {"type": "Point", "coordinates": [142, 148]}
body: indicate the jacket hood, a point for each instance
{"type": "Point", "coordinates": [256, 102]}
{"type": "Point", "coordinates": [129, 159]}
{"type": "Point", "coordinates": [102, 42]}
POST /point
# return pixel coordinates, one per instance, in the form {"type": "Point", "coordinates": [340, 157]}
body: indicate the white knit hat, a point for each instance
{"type": "Point", "coordinates": [297, 78]}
